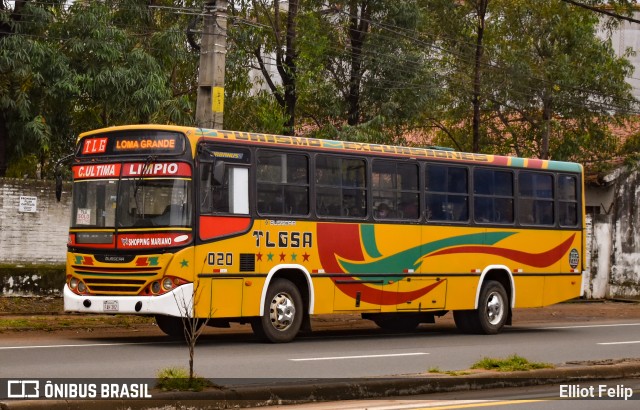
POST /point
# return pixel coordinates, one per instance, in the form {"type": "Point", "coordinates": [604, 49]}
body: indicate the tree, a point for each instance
{"type": "Point", "coordinates": [120, 81]}
{"type": "Point", "coordinates": [544, 84]}
{"type": "Point", "coordinates": [378, 75]}
{"type": "Point", "coordinates": [65, 69]}
{"type": "Point", "coordinates": [283, 44]}
{"type": "Point", "coordinates": [481, 16]}
{"type": "Point", "coordinates": [561, 86]}
{"type": "Point", "coordinates": [36, 84]}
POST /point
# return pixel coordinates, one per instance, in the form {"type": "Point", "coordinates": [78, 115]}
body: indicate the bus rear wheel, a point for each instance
{"type": "Point", "coordinates": [283, 313]}
{"type": "Point", "coordinates": [492, 312]}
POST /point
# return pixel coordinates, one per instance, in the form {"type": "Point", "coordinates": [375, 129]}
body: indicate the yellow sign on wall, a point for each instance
{"type": "Point", "coordinates": [217, 99]}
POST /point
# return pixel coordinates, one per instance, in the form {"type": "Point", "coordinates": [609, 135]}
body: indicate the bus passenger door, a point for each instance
{"type": "Point", "coordinates": [224, 217]}
{"type": "Point", "coordinates": [218, 298]}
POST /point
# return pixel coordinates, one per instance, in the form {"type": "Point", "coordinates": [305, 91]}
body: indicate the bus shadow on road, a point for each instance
{"type": "Point", "coordinates": [241, 334]}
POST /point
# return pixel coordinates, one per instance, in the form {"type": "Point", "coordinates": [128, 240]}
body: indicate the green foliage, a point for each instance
{"type": "Point", "coordinates": [510, 364]}
{"type": "Point", "coordinates": [257, 113]}
{"type": "Point", "coordinates": [375, 131]}
{"type": "Point", "coordinates": [631, 150]}
{"type": "Point", "coordinates": [34, 82]}
{"type": "Point", "coordinates": [375, 71]}
{"type": "Point", "coordinates": [67, 69]}
{"type": "Point", "coordinates": [25, 167]}
{"type": "Point", "coordinates": [177, 379]}
{"type": "Point", "coordinates": [560, 83]}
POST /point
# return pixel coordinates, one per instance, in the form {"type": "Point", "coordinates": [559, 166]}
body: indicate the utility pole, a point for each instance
{"type": "Point", "coordinates": [213, 49]}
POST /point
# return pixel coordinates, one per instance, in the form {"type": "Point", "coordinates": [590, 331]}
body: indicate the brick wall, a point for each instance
{"type": "Point", "coordinates": [28, 238]}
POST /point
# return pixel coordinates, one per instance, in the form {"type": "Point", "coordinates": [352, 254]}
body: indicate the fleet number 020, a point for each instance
{"type": "Point", "coordinates": [220, 258]}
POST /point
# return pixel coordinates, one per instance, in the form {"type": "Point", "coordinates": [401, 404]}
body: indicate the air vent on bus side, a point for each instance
{"type": "Point", "coordinates": [247, 262]}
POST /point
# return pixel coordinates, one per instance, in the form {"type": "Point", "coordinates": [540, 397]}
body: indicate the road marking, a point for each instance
{"type": "Point", "coordinates": [369, 356]}
{"type": "Point", "coordinates": [588, 326]}
{"type": "Point", "coordinates": [620, 343]}
{"type": "Point", "coordinates": [486, 403]}
{"type": "Point", "coordinates": [81, 345]}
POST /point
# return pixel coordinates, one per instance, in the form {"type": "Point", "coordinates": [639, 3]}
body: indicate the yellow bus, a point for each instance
{"type": "Point", "coordinates": [269, 230]}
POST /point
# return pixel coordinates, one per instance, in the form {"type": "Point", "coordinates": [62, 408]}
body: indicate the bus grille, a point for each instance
{"type": "Point", "coordinates": [109, 281]}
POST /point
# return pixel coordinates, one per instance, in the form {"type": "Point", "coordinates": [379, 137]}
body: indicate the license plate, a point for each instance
{"type": "Point", "coordinates": [110, 306]}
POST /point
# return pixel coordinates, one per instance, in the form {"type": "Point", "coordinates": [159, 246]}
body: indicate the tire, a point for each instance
{"type": "Point", "coordinates": [492, 312]}
{"type": "Point", "coordinates": [463, 321]}
{"type": "Point", "coordinates": [397, 323]}
{"type": "Point", "coordinates": [283, 313]}
{"type": "Point", "coordinates": [174, 327]}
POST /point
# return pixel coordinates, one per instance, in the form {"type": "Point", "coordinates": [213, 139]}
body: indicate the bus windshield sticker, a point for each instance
{"type": "Point", "coordinates": [83, 217]}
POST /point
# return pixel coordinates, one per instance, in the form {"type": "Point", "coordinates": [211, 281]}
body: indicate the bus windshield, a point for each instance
{"type": "Point", "coordinates": [132, 203]}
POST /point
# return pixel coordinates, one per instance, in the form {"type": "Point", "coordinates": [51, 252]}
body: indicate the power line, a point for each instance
{"type": "Point", "coordinates": [602, 11]}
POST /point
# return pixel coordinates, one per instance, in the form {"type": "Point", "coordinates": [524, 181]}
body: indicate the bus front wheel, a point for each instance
{"type": "Point", "coordinates": [283, 313]}
{"type": "Point", "coordinates": [178, 327]}
{"type": "Point", "coordinates": [492, 312]}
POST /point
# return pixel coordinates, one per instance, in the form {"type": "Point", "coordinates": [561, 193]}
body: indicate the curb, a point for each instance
{"type": "Point", "coordinates": [285, 392]}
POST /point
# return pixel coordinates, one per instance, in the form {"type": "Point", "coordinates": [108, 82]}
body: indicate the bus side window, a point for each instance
{"type": "Point", "coordinates": [535, 198]}
{"type": "Point", "coordinates": [568, 200]}
{"type": "Point", "coordinates": [493, 196]}
{"type": "Point", "coordinates": [282, 183]}
{"type": "Point", "coordinates": [447, 193]}
{"type": "Point", "coordinates": [341, 186]}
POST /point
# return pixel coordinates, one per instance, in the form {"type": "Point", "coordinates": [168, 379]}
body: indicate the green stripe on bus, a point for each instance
{"type": "Point", "coordinates": [369, 240]}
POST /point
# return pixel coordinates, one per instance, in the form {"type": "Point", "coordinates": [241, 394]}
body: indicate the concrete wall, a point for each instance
{"type": "Point", "coordinates": [33, 238]}
{"type": "Point", "coordinates": [625, 252]}
{"type": "Point", "coordinates": [615, 238]}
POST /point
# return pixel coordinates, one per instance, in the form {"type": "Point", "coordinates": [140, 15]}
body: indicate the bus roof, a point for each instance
{"type": "Point", "coordinates": [434, 153]}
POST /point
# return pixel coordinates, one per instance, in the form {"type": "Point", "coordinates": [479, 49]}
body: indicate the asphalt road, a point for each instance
{"type": "Point", "coordinates": [334, 354]}
{"type": "Point", "coordinates": [598, 395]}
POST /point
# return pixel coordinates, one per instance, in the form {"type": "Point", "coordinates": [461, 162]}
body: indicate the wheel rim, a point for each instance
{"type": "Point", "coordinates": [495, 308]}
{"type": "Point", "coordinates": [282, 311]}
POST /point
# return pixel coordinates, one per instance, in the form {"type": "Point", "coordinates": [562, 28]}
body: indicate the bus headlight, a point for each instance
{"type": "Point", "coordinates": [167, 284]}
{"type": "Point", "coordinates": [73, 283]}
{"type": "Point", "coordinates": [81, 287]}
{"type": "Point", "coordinates": [155, 287]}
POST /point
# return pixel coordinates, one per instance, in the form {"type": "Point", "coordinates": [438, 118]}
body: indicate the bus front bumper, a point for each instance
{"type": "Point", "coordinates": [175, 303]}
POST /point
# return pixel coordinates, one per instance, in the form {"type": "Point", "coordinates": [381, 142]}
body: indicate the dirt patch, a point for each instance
{"type": "Point", "coordinates": [17, 305]}
{"type": "Point", "coordinates": [46, 314]}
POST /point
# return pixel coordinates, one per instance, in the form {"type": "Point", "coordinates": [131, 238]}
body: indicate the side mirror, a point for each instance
{"type": "Point", "coordinates": [58, 174]}
{"type": "Point", "coordinates": [218, 173]}
{"type": "Point", "coordinates": [58, 187]}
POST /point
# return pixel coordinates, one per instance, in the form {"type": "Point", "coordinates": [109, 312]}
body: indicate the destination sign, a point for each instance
{"type": "Point", "coordinates": [174, 169]}
{"type": "Point", "coordinates": [96, 171]}
{"type": "Point", "coordinates": [136, 142]}
{"type": "Point", "coordinates": [128, 144]}
{"type": "Point", "coordinates": [135, 169]}
{"type": "Point", "coordinates": [94, 145]}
